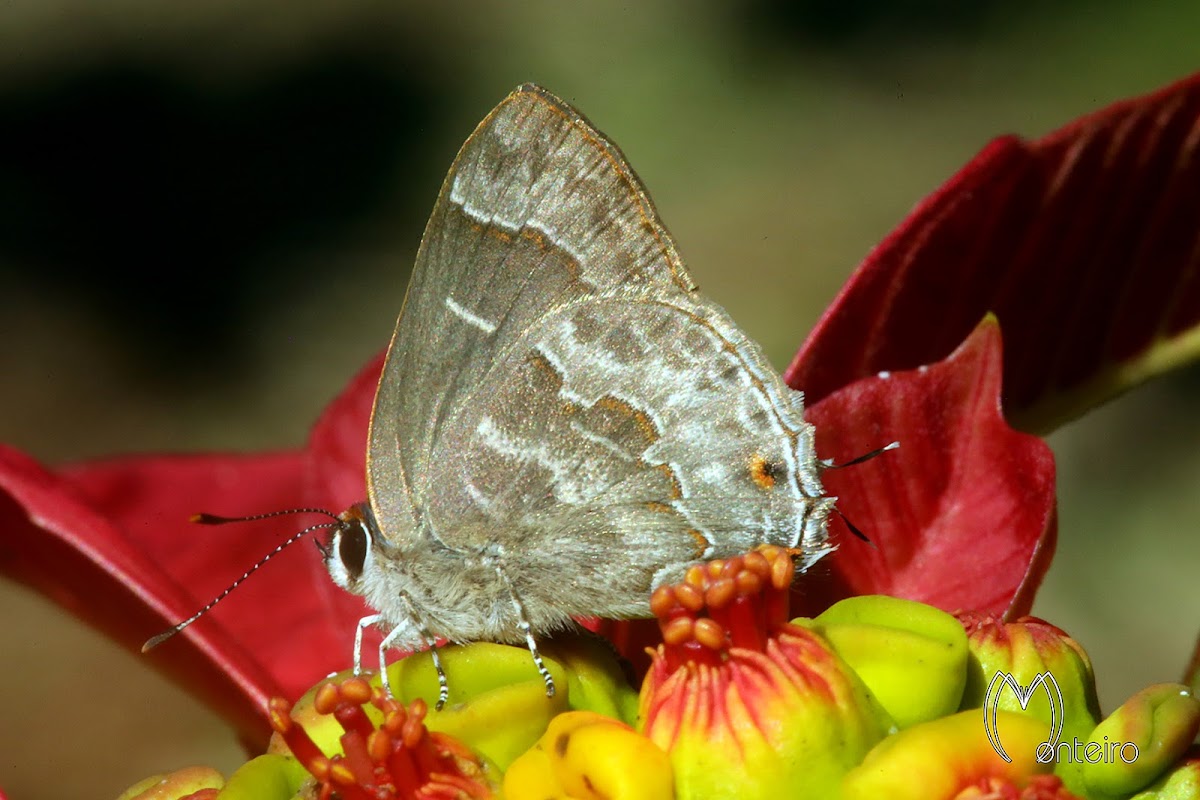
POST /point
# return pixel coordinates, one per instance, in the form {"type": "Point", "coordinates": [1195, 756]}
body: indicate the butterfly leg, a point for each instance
{"type": "Point", "coordinates": [427, 641]}
{"type": "Point", "coordinates": [363, 624]}
{"type": "Point", "coordinates": [527, 630]}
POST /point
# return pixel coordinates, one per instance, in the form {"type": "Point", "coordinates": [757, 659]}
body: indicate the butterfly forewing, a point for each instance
{"type": "Point", "coordinates": [560, 400]}
{"type": "Point", "coordinates": [538, 209]}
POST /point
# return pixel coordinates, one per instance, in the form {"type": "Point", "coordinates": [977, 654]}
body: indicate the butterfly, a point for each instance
{"type": "Point", "coordinates": [563, 422]}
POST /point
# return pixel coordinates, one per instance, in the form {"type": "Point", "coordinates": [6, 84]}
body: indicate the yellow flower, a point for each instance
{"type": "Point", "coordinates": [587, 756]}
{"type": "Point", "coordinates": [952, 759]}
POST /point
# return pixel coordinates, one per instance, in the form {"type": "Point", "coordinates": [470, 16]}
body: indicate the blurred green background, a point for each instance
{"type": "Point", "coordinates": [208, 212]}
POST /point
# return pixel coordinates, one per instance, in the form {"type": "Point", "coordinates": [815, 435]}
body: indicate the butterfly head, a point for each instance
{"type": "Point", "coordinates": [348, 555]}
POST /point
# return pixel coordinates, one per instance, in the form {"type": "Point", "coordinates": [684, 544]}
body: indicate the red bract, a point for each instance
{"type": "Point", "coordinates": [960, 516]}
{"type": "Point", "coordinates": [110, 541]}
{"type": "Point", "coordinates": [1085, 243]}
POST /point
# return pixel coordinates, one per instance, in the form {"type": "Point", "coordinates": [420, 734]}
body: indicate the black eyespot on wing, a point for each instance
{"type": "Point", "coordinates": [352, 548]}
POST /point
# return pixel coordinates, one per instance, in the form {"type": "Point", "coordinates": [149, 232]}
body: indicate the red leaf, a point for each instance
{"type": "Point", "coordinates": [58, 542]}
{"type": "Point", "coordinates": [1085, 243]}
{"type": "Point", "coordinates": [111, 542]}
{"type": "Point", "coordinates": [961, 516]}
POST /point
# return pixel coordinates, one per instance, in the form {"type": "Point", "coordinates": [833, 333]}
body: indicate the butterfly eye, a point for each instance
{"type": "Point", "coordinates": [352, 549]}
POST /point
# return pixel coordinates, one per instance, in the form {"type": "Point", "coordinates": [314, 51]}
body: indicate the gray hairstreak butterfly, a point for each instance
{"type": "Point", "coordinates": [563, 422]}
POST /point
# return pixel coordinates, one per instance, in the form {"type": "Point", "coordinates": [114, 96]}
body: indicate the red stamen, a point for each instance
{"type": "Point", "coordinates": [746, 623]}
{"type": "Point", "coordinates": [709, 633]}
{"type": "Point", "coordinates": [402, 768]}
{"type": "Point", "coordinates": [297, 739]}
{"type": "Point", "coordinates": [354, 745]}
{"type": "Point", "coordinates": [353, 718]}
{"type": "Point", "coordinates": [326, 699]}
{"type": "Point", "coordinates": [399, 758]}
{"type": "Point", "coordinates": [732, 602]}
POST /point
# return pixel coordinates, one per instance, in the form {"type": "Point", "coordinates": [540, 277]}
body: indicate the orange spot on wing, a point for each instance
{"type": "Point", "coordinates": [542, 365]}
{"type": "Point", "coordinates": [644, 423]}
{"type": "Point", "coordinates": [763, 472]}
{"type": "Point", "coordinates": [676, 489]}
{"type": "Point", "coordinates": [702, 542]}
{"type": "Point", "coordinates": [535, 236]}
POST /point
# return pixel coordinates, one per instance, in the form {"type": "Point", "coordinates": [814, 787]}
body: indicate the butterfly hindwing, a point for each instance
{"type": "Point", "coordinates": [636, 407]}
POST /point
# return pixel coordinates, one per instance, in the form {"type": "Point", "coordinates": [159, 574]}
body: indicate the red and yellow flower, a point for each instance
{"type": "Point", "coordinates": [739, 698]}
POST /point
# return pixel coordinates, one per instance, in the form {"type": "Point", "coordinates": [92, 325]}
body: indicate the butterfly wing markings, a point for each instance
{"type": "Point", "coordinates": [657, 522]}
{"type": "Point", "coordinates": [621, 439]}
{"type": "Point", "coordinates": [558, 405]}
{"type": "Point", "coordinates": [539, 209]}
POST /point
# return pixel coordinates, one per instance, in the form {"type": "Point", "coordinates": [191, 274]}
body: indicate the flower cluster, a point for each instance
{"type": "Point", "coordinates": [733, 676]}
{"type": "Point", "coordinates": [878, 696]}
{"type": "Point", "coordinates": [878, 690]}
{"type": "Point", "coordinates": [395, 756]}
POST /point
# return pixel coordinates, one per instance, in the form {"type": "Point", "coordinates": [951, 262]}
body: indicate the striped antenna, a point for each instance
{"type": "Point", "coordinates": [213, 519]}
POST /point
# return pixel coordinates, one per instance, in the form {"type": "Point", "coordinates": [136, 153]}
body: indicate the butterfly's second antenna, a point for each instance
{"type": "Point", "coordinates": [212, 519]}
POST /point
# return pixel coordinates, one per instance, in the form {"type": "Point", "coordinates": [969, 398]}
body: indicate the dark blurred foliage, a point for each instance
{"type": "Point", "coordinates": [834, 23]}
{"type": "Point", "coordinates": [169, 206]}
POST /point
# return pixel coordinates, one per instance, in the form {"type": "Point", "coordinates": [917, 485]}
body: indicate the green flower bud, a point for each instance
{"type": "Point", "coordinates": [1033, 655]}
{"type": "Point", "coordinates": [498, 703]}
{"type": "Point", "coordinates": [913, 657]}
{"type": "Point", "coordinates": [595, 679]}
{"type": "Point", "coordinates": [1181, 782]}
{"type": "Point", "coordinates": [189, 781]}
{"type": "Point", "coordinates": [1141, 740]}
{"type": "Point", "coordinates": [268, 777]}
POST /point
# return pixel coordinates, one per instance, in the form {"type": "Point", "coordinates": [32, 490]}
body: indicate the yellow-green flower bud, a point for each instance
{"type": "Point", "coordinates": [268, 777]}
{"type": "Point", "coordinates": [175, 785]}
{"type": "Point", "coordinates": [498, 704]}
{"type": "Point", "coordinates": [952, 757]}
{"type": "Point", "coordinates": [1141, 740]}
{"type": "Point", "coordinates": [913, 657]}
{"type": "Point", "coordinates": [1030, 655]}
{"type": "Point", "coordinates": [1181, 782]}
{"type": "Point", "coordinates": [595, 679]}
